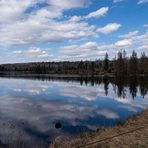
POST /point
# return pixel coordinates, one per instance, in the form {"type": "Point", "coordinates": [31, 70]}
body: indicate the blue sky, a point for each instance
{"type": "Point", "coordinates": [58, 30]}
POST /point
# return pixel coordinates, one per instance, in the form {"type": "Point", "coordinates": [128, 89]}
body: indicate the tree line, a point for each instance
{"type": "Point", "coordinates": [120, 66]}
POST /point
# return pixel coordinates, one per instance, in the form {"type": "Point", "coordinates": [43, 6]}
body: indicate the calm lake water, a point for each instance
{"type": "Point", "coordinates": [30, 108]}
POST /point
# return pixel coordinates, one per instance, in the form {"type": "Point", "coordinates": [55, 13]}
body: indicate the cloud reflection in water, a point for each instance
{"type": "Point", "coordinates": [31, 108]}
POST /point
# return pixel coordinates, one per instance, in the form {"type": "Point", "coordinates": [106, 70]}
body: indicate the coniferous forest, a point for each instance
{"type": "Point", "coordinates": [122, 65]}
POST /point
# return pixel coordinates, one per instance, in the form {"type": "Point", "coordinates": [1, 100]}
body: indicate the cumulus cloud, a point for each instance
{"type": "Point", "coordinates": [129, 34]}
{"type": "Point", "coordinates": [18, 27]}
{"type": "Point", "coordinates": [99, 13]}
{"type": "Point", "coordinates": [96, 14]}
{"type": "Point", "coordinates": [33, 54]}
{"type": "Point", "coordinates": [40, 30]}
{"type": "Point", "coordinates": [68, 4]}
{"type": "Point", "coordinates": [28, 24]}
{"type": "Point", "coordinates": [75, 18]}
{"type": "Point", "coordinates": [37, 52]}
{"type": "Point", "coordinates": [123, 43]}
{"type": "Point", "coordinates": [84, 50]}
{"type": "Point", "coordinates": [134, 40]}
{"type": "Point", "coordinates": [13, 9]}
{"type": "Point", "coordinates": [16, 9]}
{"type": "Point", "coordinates": [109, 28]}
{"type": "Point", "coordinates": [88, 50]}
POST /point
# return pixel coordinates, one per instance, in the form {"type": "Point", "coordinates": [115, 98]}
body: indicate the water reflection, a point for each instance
{"type": "Point", "coordinates": [29, 109]}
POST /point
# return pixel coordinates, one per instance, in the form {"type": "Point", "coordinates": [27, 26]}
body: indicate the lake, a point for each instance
{"type": "Point", "coordinates": [30, 108]}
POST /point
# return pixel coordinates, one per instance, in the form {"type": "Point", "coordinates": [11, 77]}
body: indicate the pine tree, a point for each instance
{"type": "Point", "coordinates": [106, 63]}
{"type": "Point", "coordinates": [133, 64]}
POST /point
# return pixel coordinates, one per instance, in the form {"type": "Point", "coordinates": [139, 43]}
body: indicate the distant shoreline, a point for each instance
{"type": "Point", "coordinates": [53, 75]}
{"type": "Point", "coordinates": [64, 75]}
{"type": "Point", "coordinates": [121, 66]}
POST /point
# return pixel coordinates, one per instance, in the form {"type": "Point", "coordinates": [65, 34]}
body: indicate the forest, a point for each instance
{"type": "Point", "coordinates": [119, 66]}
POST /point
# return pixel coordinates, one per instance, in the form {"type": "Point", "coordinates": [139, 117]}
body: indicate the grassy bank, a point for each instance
{"type": "Point", "coordinates": [133, 133]}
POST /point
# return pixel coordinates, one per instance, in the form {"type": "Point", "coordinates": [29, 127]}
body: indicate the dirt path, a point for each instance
{"type": "Point", "coordinates": [133, 133]}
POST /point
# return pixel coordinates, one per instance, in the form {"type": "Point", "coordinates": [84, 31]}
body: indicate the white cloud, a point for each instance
{"type": "Point", "coordinates": [75, 18]}
{"type": "Point", "coordinates": [11, 10]}
{"type": "Point", "coordinates": [15, 9]}
{"type": "Point", "coordinates": [129, 34]}
{"type": "Point", "coordinates": [68, 4]}
{"type": "Point", "coordinates": [39, 29]}
{"type": "Point", "coordinates": [141, 39]}
{"type": "Point", "coordinates": [123, 43]}
{"type": "Point", "coordinates": [79, 51]}
{"type": "Point", "coordinates": [142, 1]}
{"type": "Point", "coordinates": [35, 51]}
{"type": "Point", "coordinates": [99, 13]}
{"type": "Point", "coordinates": [109, 28]}
{"type": "Point", "coordinates": [94, 50]}
{"type": "Point", "coordinates": [145, 25]}
{"type": "Point", "coordinates": [96, 14]}
{"type": "Point", "coordinates": [40, 26]}
{"type": "Point", "coordinates": [88, 50]}
{"type": "Point", "coordinates": [143, 47]}
{"type": "Point", "coordinates": [32, 54]}
{"type": "Point", "coordinates": [116, 1]}
{"type": "Point", "coordinates": [25, 23]}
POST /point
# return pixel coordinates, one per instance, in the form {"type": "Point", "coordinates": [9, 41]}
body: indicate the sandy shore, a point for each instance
{"type": "Point", "coordinates": [133, 133]}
